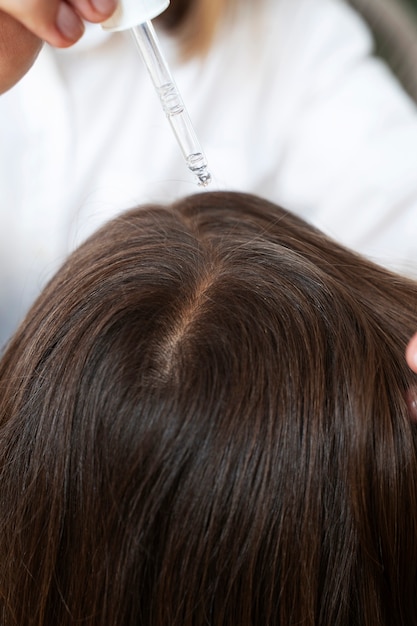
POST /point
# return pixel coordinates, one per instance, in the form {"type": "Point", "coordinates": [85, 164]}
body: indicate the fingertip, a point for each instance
{"type": "Point", "coordinates": [69, 25]}
{"type": "Point", "coordinates": [411, 353]}
{"type": "Point", "coordinates": [105, 8]}
{"type": "Point", "coordinates": [411, 399]}
{"type": "Point", "coordinates": [95, 10]}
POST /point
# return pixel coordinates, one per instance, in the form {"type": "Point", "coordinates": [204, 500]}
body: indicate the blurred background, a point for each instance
{"type": "Point", "coordinates": [394, 26]}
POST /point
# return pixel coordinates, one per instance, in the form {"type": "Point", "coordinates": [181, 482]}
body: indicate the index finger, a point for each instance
{"type": "Point", "coordinates": [58, 22]}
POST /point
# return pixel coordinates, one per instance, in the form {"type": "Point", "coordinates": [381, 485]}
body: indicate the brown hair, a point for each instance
{"type": "Point", "coordinates": [203, 422]}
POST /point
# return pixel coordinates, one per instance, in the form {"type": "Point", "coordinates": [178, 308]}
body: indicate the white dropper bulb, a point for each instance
{"type": "Point", "coordinates": [130, 13]}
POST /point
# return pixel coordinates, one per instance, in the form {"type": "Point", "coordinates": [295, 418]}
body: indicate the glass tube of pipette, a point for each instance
{"type": "Point", "coordinates": [172, 103]}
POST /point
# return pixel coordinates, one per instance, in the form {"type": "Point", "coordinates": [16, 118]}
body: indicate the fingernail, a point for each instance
{"type": "Point", "coordinates": [68, 23]}
{"type": "Point", "coordinates": [105, 7]}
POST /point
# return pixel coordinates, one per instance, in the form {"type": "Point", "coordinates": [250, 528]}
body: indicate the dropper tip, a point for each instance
{"type": "Point", "coordinates": [204, 178]}
{"type": "Point", "coordinates": [197, 164]}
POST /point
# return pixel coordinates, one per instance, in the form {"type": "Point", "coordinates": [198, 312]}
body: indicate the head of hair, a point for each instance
{"type": "Point", "coordinates": [203, 421]}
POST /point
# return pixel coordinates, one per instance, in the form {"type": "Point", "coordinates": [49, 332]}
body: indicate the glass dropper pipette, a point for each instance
{"type": "Point", "coordinates": [135, 15]}
{"type": "Point", "coordinates": [172, 103]}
